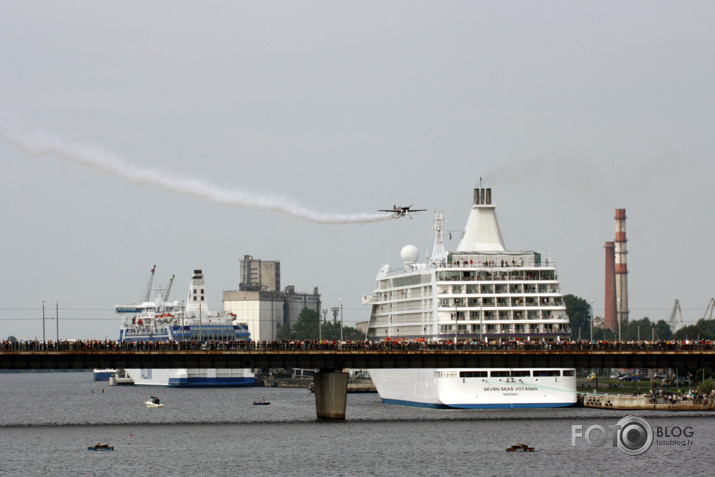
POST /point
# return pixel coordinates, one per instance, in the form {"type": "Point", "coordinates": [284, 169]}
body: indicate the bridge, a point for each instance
{"type": "Point", "coordinates": [357, 359]}
{"type": "Point", "coordinates": [331, 382]}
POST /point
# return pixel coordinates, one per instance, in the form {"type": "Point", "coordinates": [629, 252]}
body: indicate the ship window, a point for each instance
{"type": "Point", "coordinates": [547, 372]}
{"type": "Point", "coordinates": [473, 374]}
{"type": "Point", "coordinates": [569, 372]}
{"type": "Point", "coordinates": [520, 373]}
{"type": "Point", "coordinates": [501, 374]}
{"type": "Point", "coordinates": [445, 374]}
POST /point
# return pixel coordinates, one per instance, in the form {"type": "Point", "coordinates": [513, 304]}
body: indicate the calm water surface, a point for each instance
{"type": "Point", "coordinates": [47, 421]}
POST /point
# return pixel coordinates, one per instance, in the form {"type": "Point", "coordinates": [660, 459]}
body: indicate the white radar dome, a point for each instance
{"type": "Point", "coordinates": [409, 254]}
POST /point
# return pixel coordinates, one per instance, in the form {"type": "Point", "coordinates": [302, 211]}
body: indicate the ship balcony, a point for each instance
{"type": "Point", "coordinates": [464, 274]}
{"type": "Point", "coordinates": [368, 299]}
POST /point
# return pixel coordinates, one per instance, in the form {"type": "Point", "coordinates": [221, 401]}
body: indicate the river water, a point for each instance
{"type": "Point", "coordinates": [47, 421]}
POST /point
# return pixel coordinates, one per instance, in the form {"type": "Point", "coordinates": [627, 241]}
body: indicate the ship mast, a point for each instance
{"type": "Point", "coordinates": [438, 251]}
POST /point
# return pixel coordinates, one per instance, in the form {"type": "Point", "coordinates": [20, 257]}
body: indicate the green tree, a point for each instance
{"type": "Point", "coordinates": [703, 330]}
{"type": "Point", "coordinates": [663, 331]}
{"type": "Point", "coordinates": [706, 386]}
{"type": "Point", "coordinates": [306, 328]}
{"type": "Point", "coordinates": [331, 332]}
{"type": "Point", "coordinates": [579, 313]}
{"type": "Point", "coordinates": [633, 330]}
{"type": "Point", "coordinates": [643, 329]}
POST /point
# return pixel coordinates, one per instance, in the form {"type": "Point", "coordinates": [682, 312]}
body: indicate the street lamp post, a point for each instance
{"type": "Point", "coordinates": [320, 325]}
{"type": "Point", "coordinates": [591, 320]}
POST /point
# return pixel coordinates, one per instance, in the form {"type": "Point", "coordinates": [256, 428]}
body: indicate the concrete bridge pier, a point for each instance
{"type": "Point", "coordinates": [331, 394]}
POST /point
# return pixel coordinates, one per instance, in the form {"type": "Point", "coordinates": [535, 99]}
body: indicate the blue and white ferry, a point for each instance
{"type": "Point", "coordinates": [103, 374]}
{"type": "Point", "coordinates": [192, 321]}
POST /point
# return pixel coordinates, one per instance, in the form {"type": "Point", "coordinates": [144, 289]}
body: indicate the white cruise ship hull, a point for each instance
{"type": "Point", "coordinates": [443, 388]}
{"type": "Point", "coordinates": [192, 377]}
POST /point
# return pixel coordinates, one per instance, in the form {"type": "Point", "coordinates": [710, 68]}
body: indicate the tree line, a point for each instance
{"type": "Point", "coordinates": [579, 313]}
{"type": "Point", "coordinates": [309, 327]}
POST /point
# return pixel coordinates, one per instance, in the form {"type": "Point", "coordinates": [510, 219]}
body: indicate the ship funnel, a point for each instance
{"type": "Point", "coordinates": [482, 196]}
{"type": "Point", "coordinates": [482, 232]}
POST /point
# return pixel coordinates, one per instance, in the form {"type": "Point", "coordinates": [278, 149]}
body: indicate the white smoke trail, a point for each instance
{"type": "Point", "coordinates": [41, 143]}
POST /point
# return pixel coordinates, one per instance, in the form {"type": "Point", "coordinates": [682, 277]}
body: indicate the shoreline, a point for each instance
{"type": "Point", "coordinates": [641, 402]}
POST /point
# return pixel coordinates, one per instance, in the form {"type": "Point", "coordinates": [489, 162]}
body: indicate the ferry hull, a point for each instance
{"type": "Point", "coordinates": [103, 374]}
{"type": "Point", "coordinates": [192, 377]}
{"type": "Point", "coordinates": [444, 389]}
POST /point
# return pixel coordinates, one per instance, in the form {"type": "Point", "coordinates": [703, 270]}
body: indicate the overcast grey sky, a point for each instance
{"type": "Point", "coordinates": [569, 110]}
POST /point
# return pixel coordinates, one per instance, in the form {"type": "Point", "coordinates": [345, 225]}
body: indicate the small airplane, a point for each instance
{"type": "Point", "coordinates": [402, 210]}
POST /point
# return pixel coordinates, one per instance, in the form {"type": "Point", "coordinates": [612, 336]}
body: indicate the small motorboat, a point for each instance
{"type": "Point", "coordinates": [262, 402]}
{"type": "Point", "coordinates": [153, 402]}
{"type": "Point", "coordinates": [100, 447]}
{"type": "Point", "coordinates": [520, 448]}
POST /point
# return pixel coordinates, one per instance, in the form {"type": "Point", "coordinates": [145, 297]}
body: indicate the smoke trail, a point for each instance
{"type": "Point", "coordinates": [41, 143]}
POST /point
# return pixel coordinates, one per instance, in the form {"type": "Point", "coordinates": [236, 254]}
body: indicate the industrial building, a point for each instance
{"type": "Point", "coordinates": [261, 304]}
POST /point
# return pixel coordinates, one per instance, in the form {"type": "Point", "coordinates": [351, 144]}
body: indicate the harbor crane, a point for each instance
{"type": "Point", "coordinates": [709, 310]}
{"type": "Point", "coordinates": [676, 316]}
{"type": "Point", "coordinates": [168, 289]}
{"type": "Point", "coordinates": [147, 293]}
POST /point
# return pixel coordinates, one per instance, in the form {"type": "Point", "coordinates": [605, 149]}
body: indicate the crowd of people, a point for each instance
{"type": "Point", "coordinates": [388, 344]}
{"type": "Point", "coordinates": [660, 396]}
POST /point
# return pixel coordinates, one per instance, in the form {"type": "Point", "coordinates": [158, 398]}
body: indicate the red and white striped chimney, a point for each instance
{"type": "Point", "coordinates": [621, 268]}
{"type": "Point", "coordinates": [609, 314]}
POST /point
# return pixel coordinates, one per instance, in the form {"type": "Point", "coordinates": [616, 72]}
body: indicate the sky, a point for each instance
{"type": "Point", "coordinates": [189, 134]}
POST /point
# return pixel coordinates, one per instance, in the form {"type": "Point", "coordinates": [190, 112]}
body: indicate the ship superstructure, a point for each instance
{"type": "Point", "coordinates": [481, 291]}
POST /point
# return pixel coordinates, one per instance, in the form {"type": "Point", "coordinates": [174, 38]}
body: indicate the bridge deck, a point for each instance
{"type": "Point", "coordinates": [357, 359]}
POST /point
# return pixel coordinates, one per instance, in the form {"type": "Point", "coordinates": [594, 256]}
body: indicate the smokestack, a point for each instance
{"type": "Point", "coordinates": [482, 196]}
{"type": "Point", "coordinates": [621, 267]}
{"type": "Point", "coordinates": [609, 314]}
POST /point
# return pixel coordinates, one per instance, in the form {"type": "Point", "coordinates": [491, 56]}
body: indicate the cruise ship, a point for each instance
{"type": "Point", "coordinates": [480, 292]}
{"type": "Point", "coordinates": [192, 321]}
